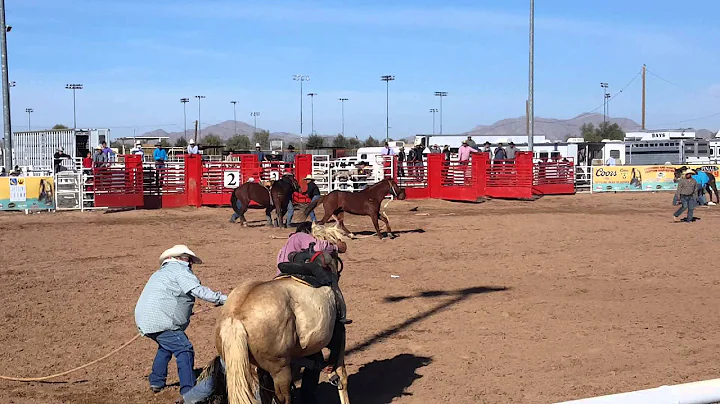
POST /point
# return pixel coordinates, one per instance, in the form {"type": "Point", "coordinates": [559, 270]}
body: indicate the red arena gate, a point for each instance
{"type": "Point", "coordinates": [119, 186]}
{"type": "Point", "coordinates": [554, 178]}
{"type": "Point", "coordinates": [510, 179]}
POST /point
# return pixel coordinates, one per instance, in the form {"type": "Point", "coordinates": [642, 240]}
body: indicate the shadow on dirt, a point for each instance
{"type": "Point", "coordinates": [379, 381]}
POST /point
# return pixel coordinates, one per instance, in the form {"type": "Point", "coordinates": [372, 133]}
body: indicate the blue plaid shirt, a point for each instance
{"type": "Point", "coordinates": [165, 303]}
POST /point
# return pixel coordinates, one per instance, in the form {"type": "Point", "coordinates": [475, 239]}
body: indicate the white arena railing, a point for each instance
{"type": "Point", "coordinates": [704, 392]}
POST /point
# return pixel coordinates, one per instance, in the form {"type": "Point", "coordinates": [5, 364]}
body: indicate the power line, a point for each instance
{"type": "Point", "coordinates": [690, 120]}
{"type": "Point", "coordinates": [681, 87]}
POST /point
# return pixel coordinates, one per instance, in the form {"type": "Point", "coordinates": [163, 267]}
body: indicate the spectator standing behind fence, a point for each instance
{"type": "Point", "coordinates": [160, 156]}
{"type": "Point", "coordinates": [486, 149]}
{"type": "Point", "coordinates": [401, 161]}
{"type": "Point", "coordinates": [465, 151]}
{"type": "Point", "coordinates": [446, 151]}
{"type": "Point", "coordinates": [58, 157]}
{"type": "Point", "coordinates": [435, 149]}
{"type": "Point", "coordinates": [471, 142]}
{"type": "Point", "coordinates": [686, 195]}
{"type": "Point", "coordinates": [192, 147]}
{"type": "Point", "coordinates": [510, 151]}
{"type": "Point", "coordinates": [259, 153]}
{"type": "Point", "coordinates": [108, 152]}
{"type": "Point", "coordinates": [499, 153]}
{"type": "Point", "coordinates": [138, 150]}
{"type": "Point", "coordinates": [289, 156]}
{"type": "Point", "coordinates": [99, 158]}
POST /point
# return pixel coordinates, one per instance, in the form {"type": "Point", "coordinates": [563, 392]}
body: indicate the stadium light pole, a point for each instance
{"type": "Point", "coordinates": [301, 78]}
{"type": "Point", "coordinates": [5, 87]}
{"type": "Point", "coordinates": [74, 87]}
{"type": "Point", "coordinates": [255, 115]}
{"type": "Point", "coordinates": [531, 80]}
{"type": "Point", "coordinates": [387, 79]}
{"type": "Point", "coordinates": [433, 111]}
{"type": "Point", "coordinates": [29, 111]}
{"type": "Point", "coordinates": [441, 94]}
{"type": "Point", "coordinates": [199, 98]}
{"type": "Point", "coordinates": [234, 103]}
{"type": "Point", "coordinates": [312, 112]}
{"type": "Point", "coordinates": [342, 107]}
{"type": "Point", "coordinates": [604, 86]}
{"type": "Point", "coordinates": [184, 103]}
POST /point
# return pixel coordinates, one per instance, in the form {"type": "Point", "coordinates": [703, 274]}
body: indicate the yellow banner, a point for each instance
{"type": "Point", "coordinates": [642, 178]}
{"type": "Point", "coordinates": [20, 193]}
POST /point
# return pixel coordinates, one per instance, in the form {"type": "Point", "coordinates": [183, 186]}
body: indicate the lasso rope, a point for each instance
{"type": "Point", "coordinates": [113, 352]}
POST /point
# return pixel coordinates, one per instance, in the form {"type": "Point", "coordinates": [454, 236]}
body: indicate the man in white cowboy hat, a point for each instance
{"type": "Point", "coordinates": [313, 192]}
{"type": "Point", "coordinates": [261, 155]}
{"type": "Point", "coordinates": [100, 159]}
{"type": "Point", "coordinates": [163, 313]}
{"type": "Point", "coordinates": [686, 195]}
{"type": "Point", "coordinates": [192, 147]}
{"type": "Point", "coordinates": [138, 150]}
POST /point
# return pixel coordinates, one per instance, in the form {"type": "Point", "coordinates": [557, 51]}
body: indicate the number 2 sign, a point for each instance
{"type": "Point", "coordinates": [231, 179]}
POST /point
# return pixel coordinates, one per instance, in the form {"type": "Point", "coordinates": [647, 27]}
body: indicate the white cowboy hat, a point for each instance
{"type": "Point", "coordinates": [138, 143]}
{"type": "Point", "coordinates": [309, 177]}
{"type": "Point", "coordinates": [689, 171]}
{"type": "Point", "coordinates": [178, 250]}
{"type": "Point", "coordinates": [192, 141]}
{"type": "Point", "coordinates": [257, 144]}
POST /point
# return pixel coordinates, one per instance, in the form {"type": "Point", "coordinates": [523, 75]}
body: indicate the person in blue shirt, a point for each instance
{"type": "Point", "coordinates": [260, 153]}
{"type": "Point", "coordinates": [702, 179]}
{"type": "Point", "coordinates": [159, 155]}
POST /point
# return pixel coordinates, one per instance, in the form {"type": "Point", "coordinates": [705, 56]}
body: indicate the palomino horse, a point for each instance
{"type": "Point", "coordinates": [277, 197]}
{"type": "Point", "coordinates": [709, 187]}
{"type": "Point", "coordinates": [365, 203]}
{"type": "Point", "coordinates": [268, 324]}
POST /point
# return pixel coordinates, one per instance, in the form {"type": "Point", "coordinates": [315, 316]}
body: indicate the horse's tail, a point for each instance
{"type": "Point", "coordinates": [312, 206]}
{"type": "Point", "coordinates": [233, 201]}
{"type": "Point", "coordinates": [241, 384]}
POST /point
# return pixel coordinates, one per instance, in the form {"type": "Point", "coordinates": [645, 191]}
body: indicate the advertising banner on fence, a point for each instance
{"type": "Point", "coordinates": [642, 178]}
{"type": "Point", "coordinates": [20, 193]}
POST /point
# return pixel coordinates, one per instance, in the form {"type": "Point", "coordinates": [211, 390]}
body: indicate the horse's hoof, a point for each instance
{"type": "Point", "coordinates": [244, 225]}
{"type": "Point", "coordinates": [392, 236]}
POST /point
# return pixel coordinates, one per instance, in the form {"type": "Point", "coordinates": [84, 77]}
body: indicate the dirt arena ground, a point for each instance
{"type": "Point", "coordinates": [603, 294]}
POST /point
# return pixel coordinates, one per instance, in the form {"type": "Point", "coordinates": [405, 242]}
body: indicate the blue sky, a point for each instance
{"type": "Point", "coordinates": [138, 58]}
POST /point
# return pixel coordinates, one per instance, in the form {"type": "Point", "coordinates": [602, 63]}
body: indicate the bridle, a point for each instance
{"type": "Point", "coordinates": [392, 189]}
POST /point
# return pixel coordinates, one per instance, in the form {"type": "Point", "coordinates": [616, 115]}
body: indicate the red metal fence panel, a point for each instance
{"type": "Point", "coordinates": [118, 185]}
{"type": "Point", "coordinates": [554, 178]}
{"type": "Point", "coordinates": [511, 179]}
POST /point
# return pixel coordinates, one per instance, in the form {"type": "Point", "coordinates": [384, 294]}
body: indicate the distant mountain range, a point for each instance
{"type": "Point", "coordinates": [553, 129]}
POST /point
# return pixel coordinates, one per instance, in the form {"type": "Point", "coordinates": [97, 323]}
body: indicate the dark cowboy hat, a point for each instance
{"type": "Point", "coordinates": [486, 142]}
{"type": "Point", "coordinates": [291, 147]}
{"type": "Point", "coordinates": [511, 142]}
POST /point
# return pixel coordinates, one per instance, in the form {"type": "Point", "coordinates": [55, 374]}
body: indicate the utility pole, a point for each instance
{"type": "Point", "coordinates": [440, 94]}
{"type": "Point", "coordinates": [184, 103]}
{"type": "Point", "coordinates": [301, 78]}
{"type": "Point", "coordinates": [73, 87]}
{"type": "Point", "coordinates": [342, 104]}
{"type": "Point", "coordinates": [234, 117]}
{"type": "Point", "coordinates": [531, 81]}
{"type": "Point", "coordinates": [5, 88]}
{"type": "Point", "coordinates": [643, 96]}
{"type": "Point", "coordinates": [29, 111]}
{"type": "Point", "coordinates": [387, 79]}
{"type": "Point", "coordinates": [312, 112]}
{"type": "Point", "coordinates": [604, 86]}
{"type": "Point", "coordinates": [198, 132]}
{"type": "Point", "coordinates": [255, 115]}
{"type": "Point", "coordinates": [433, 111]}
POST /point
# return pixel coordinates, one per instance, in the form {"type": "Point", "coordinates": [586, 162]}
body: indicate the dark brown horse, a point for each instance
{"type": "Point", "coordinates": [278, 197]}
{"type": "Point", "coordinates": [365, 203]}
{"type": "Point", "coordinates": [709, 187]}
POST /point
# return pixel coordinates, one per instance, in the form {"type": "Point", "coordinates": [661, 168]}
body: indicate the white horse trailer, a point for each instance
{"type": "Point", "coordinates": [36, 149]}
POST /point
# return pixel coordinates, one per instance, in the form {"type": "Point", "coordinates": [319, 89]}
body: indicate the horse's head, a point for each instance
{"type": "Point", "coordinates": [291, 181]}
{"type": "Point", "coordinates": [396, 191]}
{"type": "Point", "coordinates": [678, 173]}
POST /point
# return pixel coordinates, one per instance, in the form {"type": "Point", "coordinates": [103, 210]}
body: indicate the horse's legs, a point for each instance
{"type": "Point", "coordinates": [341, 217]}
{"type": "Point", "coordinates": [341, 372]}
{"type": "Point", "coordinates": [713, 185]}
{"type": "Point", "coordinates": [374, 218]}
{"type": "Point", "coordinates": [387, 224]}
{"type": "Point", "coordinates": [283, 379]}
{"type": "Point", "coordinates": [267, 388]}
{"type": "Point", "coordinates": [327, 213]}
{"type": "Point", "coordinates": [268, 216]}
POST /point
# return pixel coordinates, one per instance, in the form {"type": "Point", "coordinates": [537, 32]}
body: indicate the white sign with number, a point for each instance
{"type": "Point", "coordinates": [231, 179]}
{"type": "Point", "coordinates": [274, 175]}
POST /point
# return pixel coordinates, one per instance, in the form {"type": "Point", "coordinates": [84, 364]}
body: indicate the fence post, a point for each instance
{"type": "Point", "coordinates": [435, 162]}
{"type": "Point", "coordinates": [193, 180]}
{"type": "Point", "coordinates": [479, 173]}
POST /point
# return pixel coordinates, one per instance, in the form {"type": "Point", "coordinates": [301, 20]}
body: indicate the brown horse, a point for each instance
{"type": "Point", "coordinates": [365, 203]}
{"type": "Point", "coordinates": [270, 324]}
{"type": "Point", "coordinates": [278, 197]}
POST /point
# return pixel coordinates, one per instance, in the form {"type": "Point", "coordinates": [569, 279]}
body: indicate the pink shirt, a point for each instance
{"type": "Point", "coordinates": [301, 241]}
{"type": "Point", "coordinates": [465, 151]}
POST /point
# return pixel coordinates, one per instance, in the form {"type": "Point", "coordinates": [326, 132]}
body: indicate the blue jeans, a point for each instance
{"type": "Point", "coordinates": [235, 216]}
{"type": "Point", "coordinates": [173, 343]}
{"type": "Point", "coordinates": [312, 214]}
{"type": "Point", "coordinates": [290, 212]}
{"type": "Point", "coordinates": [688, 202]}
{"type": "Point", "coordinates": [203, 390]}
{"type": "Point", "coordinates": [701, 198]}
